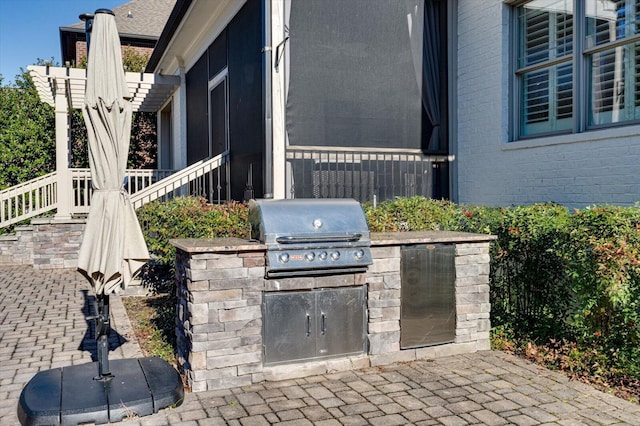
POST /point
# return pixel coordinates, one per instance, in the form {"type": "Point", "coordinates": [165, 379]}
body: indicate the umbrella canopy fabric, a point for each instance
{"type": "Point", "coordinates": [113, 247]}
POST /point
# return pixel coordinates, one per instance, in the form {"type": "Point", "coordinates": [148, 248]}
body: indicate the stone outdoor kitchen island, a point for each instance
{"type": "Point", "coordinates": [226, 317]}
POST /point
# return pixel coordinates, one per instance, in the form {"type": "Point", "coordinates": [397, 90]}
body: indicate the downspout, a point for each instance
{"type": "Point", "coordinates": [267, 98]}
{"type": "Point", "coordinates": [278, 99]}
{"type": "Point", "coordinates": [452, 55]}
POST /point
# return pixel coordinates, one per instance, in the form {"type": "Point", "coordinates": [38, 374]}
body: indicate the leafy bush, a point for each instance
{"type": "Point", "coordinates": [529, 289]}
{"type": "Point", "coordinates": [556, 276]}
{"type": "Point", "coordinates": [184, 217]}
{"type": "Point", "coordinates": [413, 214]}
{"type": "Point", "coordinates": [189, 217]}
{"type": "Point", "coordinates": [603, 263]}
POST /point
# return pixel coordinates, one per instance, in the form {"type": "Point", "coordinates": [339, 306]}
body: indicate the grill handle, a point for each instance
{"type": "Point", "coordinates": [323, 326]}
{"type": "Point", "coordinates": [292, 239]}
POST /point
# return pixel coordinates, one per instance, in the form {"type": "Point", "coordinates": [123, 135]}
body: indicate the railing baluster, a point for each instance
{"type": "Point", "coordinates": [361, 173]}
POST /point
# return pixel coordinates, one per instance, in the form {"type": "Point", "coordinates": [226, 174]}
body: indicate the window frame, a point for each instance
{"type": "Point", "coordinates": [221, 78]}
{"type": "Point", "coordinates": [581, 57]}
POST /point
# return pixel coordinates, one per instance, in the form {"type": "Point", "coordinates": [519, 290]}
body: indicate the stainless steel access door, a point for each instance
{"type": "Point", "coordinates": [427, 310]}
{"type": "Point", "coordinates": [302, 325]}
{"type": "Point", "coordinates": [340, 321]}
{"type": "Point", "coordinates": [289, 323]}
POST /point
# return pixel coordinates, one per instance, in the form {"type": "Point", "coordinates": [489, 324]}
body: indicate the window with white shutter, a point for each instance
{"type": "Point", "coordinates": [545, 68]}
{"type": "Point", "coordinates": [555, 81]}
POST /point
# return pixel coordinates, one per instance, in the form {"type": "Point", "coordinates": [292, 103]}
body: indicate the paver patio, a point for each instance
{"type": "Point", "coordinates": [43, 326]}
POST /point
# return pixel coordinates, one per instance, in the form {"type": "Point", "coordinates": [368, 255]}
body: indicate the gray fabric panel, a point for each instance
{"type": "Point", "coordinates": [352, 75]}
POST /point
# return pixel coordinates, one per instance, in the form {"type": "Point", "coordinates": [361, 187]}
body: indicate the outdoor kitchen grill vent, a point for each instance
{"type": "Point", "coordinates": [311, 236]}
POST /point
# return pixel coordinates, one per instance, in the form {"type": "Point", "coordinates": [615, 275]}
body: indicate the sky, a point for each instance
{"type": "Point", "coordinates": [30, 29]}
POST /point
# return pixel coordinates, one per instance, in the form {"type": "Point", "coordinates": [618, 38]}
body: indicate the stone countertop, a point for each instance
{"type": "Point", "coordinates": [420, 237]}
{"type": "Point", "coordinates": [218, 245]}
{"type": "Point", "coordinates": [222, 245]}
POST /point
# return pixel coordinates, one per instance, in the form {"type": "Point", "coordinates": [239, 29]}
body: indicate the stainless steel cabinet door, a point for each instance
{"type": "Point", "coordinates": [289, 322]}
{"type": "Point", "coordinates": [340, 321]}
{"type": "Point", "coordinates": [427, 295]}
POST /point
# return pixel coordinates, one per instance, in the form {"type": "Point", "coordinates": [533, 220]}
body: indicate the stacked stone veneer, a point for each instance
{"type": "Point", "coordinates": [472, 301]}
{"type": "Point", "coordinates": [45, 244]}
{"type": "Point", "coordinates": [221, 282]}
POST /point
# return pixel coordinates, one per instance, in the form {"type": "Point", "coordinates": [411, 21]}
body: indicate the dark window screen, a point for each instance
{"type": "Point", "coordinates": [218, 102]}
{"type": "Point", "coordinates": [197, 99]}
{"type": "Point", "coordinates": [246, 117]}
{"type": "Point", "coordinates": [218, 54]}
{"type": "Point", "coordinates": [353, 74]}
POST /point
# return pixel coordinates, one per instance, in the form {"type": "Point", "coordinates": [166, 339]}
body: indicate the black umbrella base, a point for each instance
{"type": "Point", "coordinates": [70, 395]}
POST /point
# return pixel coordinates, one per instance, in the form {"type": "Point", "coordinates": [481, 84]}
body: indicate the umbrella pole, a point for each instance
{"type": "Point", "coordinates": [103, 327]}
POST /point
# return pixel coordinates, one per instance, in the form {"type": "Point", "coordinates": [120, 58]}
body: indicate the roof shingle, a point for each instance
{"type": "Point", "coordinates": [148, 17]}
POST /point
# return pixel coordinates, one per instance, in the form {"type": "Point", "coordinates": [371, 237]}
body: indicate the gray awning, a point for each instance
{"type": "Point", "coordinates": [148, 91]}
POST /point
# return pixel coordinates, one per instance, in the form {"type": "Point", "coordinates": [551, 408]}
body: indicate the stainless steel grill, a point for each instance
{"type": "Point", "coordinates": [311, 236]}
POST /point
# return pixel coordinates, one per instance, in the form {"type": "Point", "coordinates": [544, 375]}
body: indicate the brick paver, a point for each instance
{"type": "Point", "coordinates": [42, 325]}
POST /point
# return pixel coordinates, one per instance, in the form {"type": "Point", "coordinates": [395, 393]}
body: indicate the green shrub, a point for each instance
{"type": "Point", "coordinates": [184, 217]}
{"type": "Point", "coordinates": [529, 289]}
{"type": "Point", "coordinates": [413, 214]}
{"type": "Point", "coordinates": [189, 217]}
{"type": "Point", "coordinates": [603, 262]}
{"type": "Point", "coordinates": [556, 276]}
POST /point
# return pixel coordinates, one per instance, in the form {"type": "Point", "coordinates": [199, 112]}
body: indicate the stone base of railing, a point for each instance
{"type": "Point", "coordinates": [47, 243]}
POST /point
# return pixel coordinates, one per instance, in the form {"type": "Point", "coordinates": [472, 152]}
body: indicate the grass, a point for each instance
{"type": "Point", "coordinates": [153, 322]}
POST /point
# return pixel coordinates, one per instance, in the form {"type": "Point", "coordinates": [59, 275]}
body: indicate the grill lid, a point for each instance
{"type": "Point", "coordinates": [311, 236]}
{"type": "Point", "coordinates": [308, 221]}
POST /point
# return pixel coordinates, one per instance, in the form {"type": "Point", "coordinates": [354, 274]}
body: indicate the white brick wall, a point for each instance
{"type": "Point", "coordinates": [575, 170]}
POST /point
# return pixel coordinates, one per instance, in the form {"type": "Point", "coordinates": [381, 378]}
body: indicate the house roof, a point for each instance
{"type": "Point", "coordinates": [142, 27]}
{"type": "Point", "coordinates": [191, 25]}
{"type": "Point", "coordinates": [172, 23]}
{"type": "Point", "coordinates": [147, 20]}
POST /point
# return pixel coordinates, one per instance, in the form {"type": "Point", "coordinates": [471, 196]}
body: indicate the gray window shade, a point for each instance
{"type": "Point", "coordinates": [564, 95]}
{"type": "Point", "coordinates": [564, 34]}
{"type": "Point", "coordinates": [536, 34]}
{"type": "Point", "coordinates": [353, 79]}
{"type": "Point", "coordinates": [536, 95]}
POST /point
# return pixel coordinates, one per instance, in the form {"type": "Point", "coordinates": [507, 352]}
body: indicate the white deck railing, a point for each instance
{"type": "Point", "coordinates": [28, 199]}
{"type": "Point", "coordinates": [201, 178]}
{"type": "Point", "coordinates": [134, 181]}
{"type": "Point", "coordinates": [39, 196]}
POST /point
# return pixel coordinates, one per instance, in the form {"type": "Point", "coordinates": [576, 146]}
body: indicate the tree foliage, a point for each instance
{"type": "Point", "coordinates": [27, 129]}
{"type": "Point", "coordinates": [27, 133]}
{"type": "Point", "coordinates": [143, 147]}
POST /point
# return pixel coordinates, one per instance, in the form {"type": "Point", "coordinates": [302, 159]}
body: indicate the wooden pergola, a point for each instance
{"type": "Point", "coordinates": [63, 88]}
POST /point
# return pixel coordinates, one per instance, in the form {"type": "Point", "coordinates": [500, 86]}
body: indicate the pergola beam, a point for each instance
{"type": "Point", "coordinates": [63, 88]}
{"type": "Point", "coordinates": [148, 91]}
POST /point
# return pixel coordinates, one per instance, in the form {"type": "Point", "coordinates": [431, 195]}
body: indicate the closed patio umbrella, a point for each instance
{"type": "Point", "coordinates": [112, 250]}
{"type": "Point", "coordinates": [113, 247]}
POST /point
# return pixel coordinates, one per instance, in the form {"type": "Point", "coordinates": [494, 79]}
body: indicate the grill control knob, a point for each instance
{"type": "Point", "coordinates": [323, 255]}
{"type": "Point", "coordinates": [335, 255]}
{"type": "Point", "coordinates": [283, 257]}
{"type": "Point", "coordinates": [310, 256]}
{"type": "Point", "coordinates": [359, 254]}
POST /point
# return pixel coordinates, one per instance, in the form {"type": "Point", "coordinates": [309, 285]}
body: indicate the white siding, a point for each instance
{"type": "Point", "coordinates": [575, 170]}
